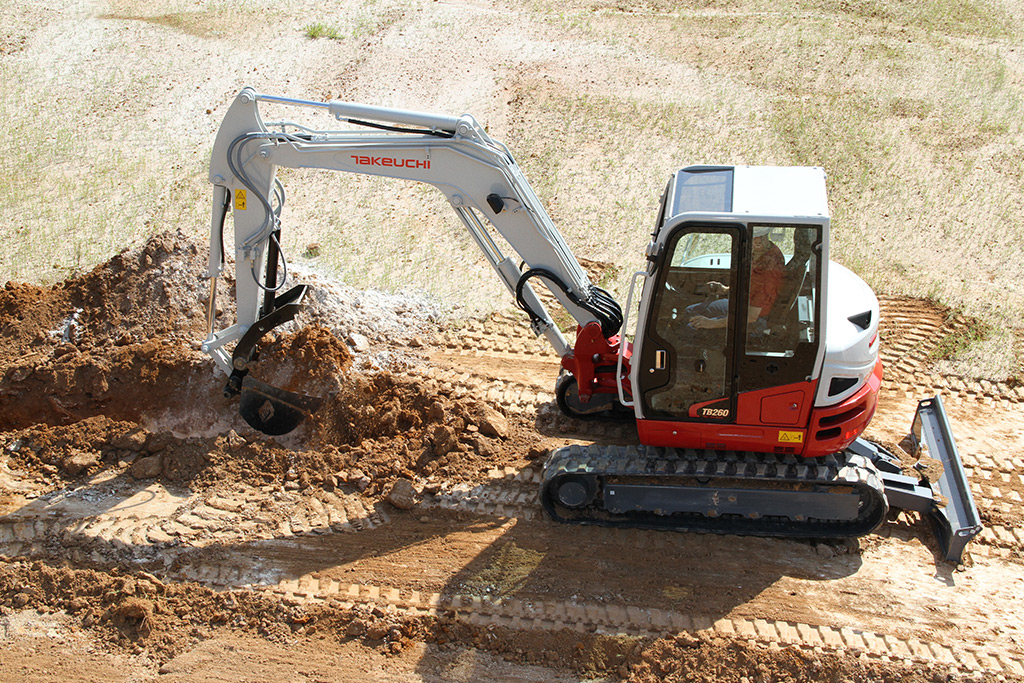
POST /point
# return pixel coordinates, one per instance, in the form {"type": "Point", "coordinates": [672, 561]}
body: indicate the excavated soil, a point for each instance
{"type": "Point", "coordinates": [146, 528]}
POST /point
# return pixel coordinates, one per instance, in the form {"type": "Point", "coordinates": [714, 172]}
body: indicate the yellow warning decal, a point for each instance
{"type": "Point", "coordinates": [791, 437]}
{"type": "Point", "coordinates": [240, 200]}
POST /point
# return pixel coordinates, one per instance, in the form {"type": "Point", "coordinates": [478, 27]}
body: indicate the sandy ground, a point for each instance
{"type": "Point", "coordinates": [147, 531]}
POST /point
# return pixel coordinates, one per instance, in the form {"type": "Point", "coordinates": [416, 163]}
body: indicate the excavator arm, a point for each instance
{"type": "Point", "coordinates": [478, 176]}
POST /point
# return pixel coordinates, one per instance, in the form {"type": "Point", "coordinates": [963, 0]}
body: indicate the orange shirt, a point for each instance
{"type": "Point", "coordinates": [766, 274]}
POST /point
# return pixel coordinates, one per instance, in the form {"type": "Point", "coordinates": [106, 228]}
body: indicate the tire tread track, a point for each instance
{"type": "Point", "coordinates": [521, 614]}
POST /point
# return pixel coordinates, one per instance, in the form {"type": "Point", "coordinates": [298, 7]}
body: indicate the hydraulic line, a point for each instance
{"type": "Point", "coordinates": [598, 301]}
{"type": "Point", "coordinates": [398, 129]}
{"type": "Point", "coordinates": [284, 267]}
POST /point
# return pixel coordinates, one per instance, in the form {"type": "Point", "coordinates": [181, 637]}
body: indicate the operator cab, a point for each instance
{"type": "Point", "coordinates": [731, 321]}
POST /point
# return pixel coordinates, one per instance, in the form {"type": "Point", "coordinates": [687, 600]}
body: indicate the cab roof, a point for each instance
{"type": "Point", "coordinates": [763, 191]}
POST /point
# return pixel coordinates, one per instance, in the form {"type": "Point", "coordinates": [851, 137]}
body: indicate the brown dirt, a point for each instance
{"type": "Point", "coordinates": [708, 659]}
{"type": "Point", "coordinates": [391, 426]}
{"type": "Point", "coordinates": [133, 613]}
{"type": "Point", "coordinates": [114, 341]}
{"type": "Point", "coordinates": [107, 404]}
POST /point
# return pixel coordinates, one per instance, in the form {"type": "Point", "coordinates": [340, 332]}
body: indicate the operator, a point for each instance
{"type": "Point", "coordinates": [766, 272]}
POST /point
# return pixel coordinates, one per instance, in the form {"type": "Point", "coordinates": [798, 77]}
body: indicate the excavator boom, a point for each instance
{"type": "Point", "coordinates": [477, 175]}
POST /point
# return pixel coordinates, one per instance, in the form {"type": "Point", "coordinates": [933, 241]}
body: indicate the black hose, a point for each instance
{"type": "Point", "coordinates": [223, 216]}
{"type": "Point", "coordinates": [397, 129]}
{"type": "Point", "coordinates": [598, 302]}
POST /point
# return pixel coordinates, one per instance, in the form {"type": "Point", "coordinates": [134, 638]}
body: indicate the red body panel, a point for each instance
{"type": "Point", "coordinates": [776, 420]}
{"type": "Point", "coordinates": [594, 361]}
{"type": "Point", "coordinates": [833, 429]}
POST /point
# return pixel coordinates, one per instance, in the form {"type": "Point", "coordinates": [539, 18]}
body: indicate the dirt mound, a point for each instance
{"type": "Point", "coordinates": [375, 430]}
{"type": "Point", "coordinates": [123, 382]}
{"type": "Point", "coordinates": [130, 611]}
{"type": "Point", "coordinates": [137, 295]}
{"type": "Point", "coordinates": [114, 341]}
{"type": "Point", "coordinates": [311, 360]}
{"type": "Point", "coordinates": [388, 426]}
{"type": "Point", "coordinates": [68, 452]}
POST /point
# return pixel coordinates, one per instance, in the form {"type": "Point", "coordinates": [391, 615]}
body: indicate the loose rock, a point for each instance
{"type": "Point", "coordinates": [402, 495]}
{"type": "Point", "coordinates": [148, 467]}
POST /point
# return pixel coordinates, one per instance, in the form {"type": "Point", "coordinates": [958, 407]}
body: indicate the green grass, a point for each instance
{"type": "Point", "coordinates": [960, 341]}
{"type": "Point", "coordinates": [321, 30]}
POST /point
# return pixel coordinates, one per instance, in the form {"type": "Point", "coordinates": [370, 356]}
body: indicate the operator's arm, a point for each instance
{"type": "Point", "coordinates": [704, 323]}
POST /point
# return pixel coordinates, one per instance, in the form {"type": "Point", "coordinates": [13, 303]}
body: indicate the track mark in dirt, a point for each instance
{"type": "Point", "coordinates": [516, 609]}
{"type": "Point", "coordinates": [911, 330]}
{"type": "Point", "coordinates": [139, 612]}
{"type": "Point", "coordinates": [555, 616]}
{"type": "Point", "coordinates": [498, 334]}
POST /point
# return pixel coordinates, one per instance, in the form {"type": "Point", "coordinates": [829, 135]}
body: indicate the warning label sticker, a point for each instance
{"type": "Point", "coordinates": [791, 437]}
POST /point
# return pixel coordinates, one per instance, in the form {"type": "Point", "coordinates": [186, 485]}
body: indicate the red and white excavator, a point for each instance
{"type": "Point", "coordinates": [754, 364]}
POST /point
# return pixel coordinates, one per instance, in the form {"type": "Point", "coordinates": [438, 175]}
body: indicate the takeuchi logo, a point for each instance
{"type": "Point", "coordinates": [391, 162]}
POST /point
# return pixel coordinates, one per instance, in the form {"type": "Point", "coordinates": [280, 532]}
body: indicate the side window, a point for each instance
{"type": "Point", "coordinates": [783, 289]}
{"type": "Point", "coordinates": [692, 323]}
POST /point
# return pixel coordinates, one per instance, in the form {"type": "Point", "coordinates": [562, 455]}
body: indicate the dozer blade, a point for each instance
{"type": "Point", "coordinates": [271, 410]}
{"type": "Point", "coordinates": [940, 489]}
{"type": "Point", "coordinates": [956, 521]}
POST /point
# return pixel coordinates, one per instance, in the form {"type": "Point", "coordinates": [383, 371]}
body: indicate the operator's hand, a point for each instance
{"type": "Point", "coordinates": [703, 322]}
{"type": "Point", "coordinates": [717, 289]}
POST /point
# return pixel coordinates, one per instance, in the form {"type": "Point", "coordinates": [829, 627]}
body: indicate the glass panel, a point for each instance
{"type": "Point", "coordinates": [704, 190]}
{"type": "Point", "coordinates": [691, 319]}
{"type": "Point", "coordinates": [783, 289]}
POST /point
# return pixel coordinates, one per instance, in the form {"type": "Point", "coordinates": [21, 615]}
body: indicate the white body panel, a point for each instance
{"type": "Point", "coordinates": [851, 351]}
{"type": "Point", "coordinates": [787, 191]}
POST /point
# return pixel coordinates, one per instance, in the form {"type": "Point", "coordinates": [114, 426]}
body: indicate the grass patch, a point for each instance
{"type": "Point", "coordinates": [72, 192]}
{"type": "Point", "coordinates": [321, 30]}
{"type": "Point", "coordinates": [960, 341]}
{"type": "Point", "coordinates": [207, 23]}
{"type": "Point", "coordinates": [951, 17]}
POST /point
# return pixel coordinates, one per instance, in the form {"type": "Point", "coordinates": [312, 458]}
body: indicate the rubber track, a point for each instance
{"type": "Point", "coordinates": [654, 464]}
{"type": "Point", "coordinates": [521, 614]}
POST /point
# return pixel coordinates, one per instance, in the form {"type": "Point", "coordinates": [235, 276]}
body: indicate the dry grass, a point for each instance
{"type": "Point", "coordinates": [914, 107]}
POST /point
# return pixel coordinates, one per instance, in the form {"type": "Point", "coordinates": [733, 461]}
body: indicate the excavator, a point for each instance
{"type": "Point", "coordinates": [753, 368]}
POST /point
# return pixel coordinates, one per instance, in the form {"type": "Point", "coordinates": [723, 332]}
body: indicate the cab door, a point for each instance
{"type": "Point", "coordinates": [687, 337]}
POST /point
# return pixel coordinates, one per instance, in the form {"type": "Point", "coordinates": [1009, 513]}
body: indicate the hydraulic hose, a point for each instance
{"type": "Point", "coordinates": [598, 302]}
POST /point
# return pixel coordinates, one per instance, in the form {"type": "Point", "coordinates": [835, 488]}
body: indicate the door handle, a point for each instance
{"type": "Point", "coordinates": [660, 359]}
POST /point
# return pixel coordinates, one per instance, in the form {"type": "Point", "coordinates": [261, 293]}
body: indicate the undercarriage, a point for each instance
{"type": "Point", "coordinates": [842, 495]}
